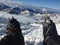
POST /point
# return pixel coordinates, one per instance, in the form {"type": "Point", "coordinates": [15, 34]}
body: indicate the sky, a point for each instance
{"type": "Point", "coordinates": [42, 3]}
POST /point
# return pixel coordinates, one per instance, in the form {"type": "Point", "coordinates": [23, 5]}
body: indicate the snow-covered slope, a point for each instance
{"type": "Point", "coordinates": [29, 30]}
{"type": "Point", "coordinates": [20, 18]}
{"type": "Point", "coordinates": [33, 32]}
{"type": "Point", "coordinates": [35, 37]}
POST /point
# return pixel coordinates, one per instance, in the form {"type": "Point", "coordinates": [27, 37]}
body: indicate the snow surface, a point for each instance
{"type": "Point", "coordinates": [20, 18]}
{"type": "Point", "coordinates": [32, 32]}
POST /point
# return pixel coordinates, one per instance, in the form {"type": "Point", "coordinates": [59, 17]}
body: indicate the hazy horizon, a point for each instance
{"type": "Point", "coordinates": [42, 3]}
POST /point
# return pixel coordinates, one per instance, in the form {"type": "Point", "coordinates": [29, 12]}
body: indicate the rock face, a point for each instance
{"type": "Point", "coordinates": [3, 7]}
{"type": "Point", "coordinates": [15, 10]}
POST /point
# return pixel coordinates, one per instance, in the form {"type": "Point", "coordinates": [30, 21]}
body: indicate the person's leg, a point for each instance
{"type": "Point", "coordinates": [52, 42]}
{"type": "Point", "coordinates": [44, 43]}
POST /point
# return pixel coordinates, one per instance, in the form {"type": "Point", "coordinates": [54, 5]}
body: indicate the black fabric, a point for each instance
{"type": "Point", "coordinates": [11, 23]}
{"type": "Point", "coordinates": [12, 40]}
{"type": "Point", "coordinates": [52, 42]}
{"type": "Point", "coordinates": [15, 37]}
{"type": "Point", "coordinates": [52, 33]}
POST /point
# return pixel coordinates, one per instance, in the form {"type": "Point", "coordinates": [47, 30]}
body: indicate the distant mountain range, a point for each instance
{"type": "Point", "coordinates": [17, 8]}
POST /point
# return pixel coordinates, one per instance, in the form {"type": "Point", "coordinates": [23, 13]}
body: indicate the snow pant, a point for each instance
{"type": "Point", "coordinates": [44, 43]}
{"type": "Point", "coordinates": [52, 42]}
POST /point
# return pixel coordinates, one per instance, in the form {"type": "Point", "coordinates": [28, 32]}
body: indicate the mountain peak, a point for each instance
{"type": "Point", "coordinates": [44, 9]}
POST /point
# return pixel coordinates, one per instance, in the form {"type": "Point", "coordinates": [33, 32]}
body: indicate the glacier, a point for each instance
{"type": "Point", "coordinates": [32, 32]}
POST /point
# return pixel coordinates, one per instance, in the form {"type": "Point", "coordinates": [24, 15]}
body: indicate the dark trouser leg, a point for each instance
{"type": "Point", "coordinates": [52, 42]}
{"type": "Point", "coordinates": [44, 43]}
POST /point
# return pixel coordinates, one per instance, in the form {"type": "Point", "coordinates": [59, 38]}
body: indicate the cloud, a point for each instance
{"type": "Point", "coordinates": [4, 0]}
{"type": "Point", "coordinates": [8, 1]}
{"type": "Point", "coordinates": [11, 3]}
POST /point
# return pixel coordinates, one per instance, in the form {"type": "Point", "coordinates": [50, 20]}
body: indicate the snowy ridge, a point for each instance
{"type": "Point", "coordinates": [20, 18]}
{"type": "Point", "coordinates": [31, 9]}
